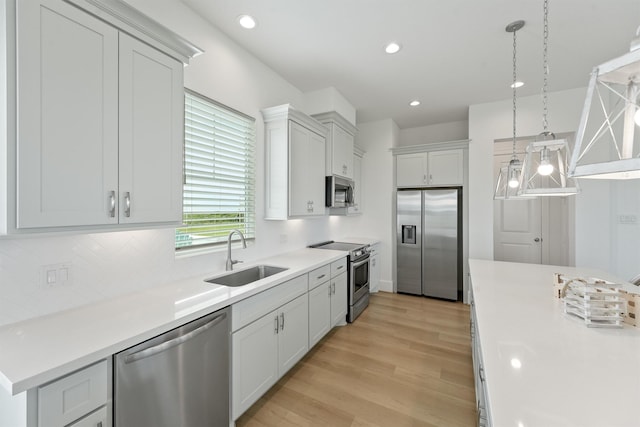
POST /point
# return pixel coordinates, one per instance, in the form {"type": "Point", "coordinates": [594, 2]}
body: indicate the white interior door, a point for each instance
{"type": "Point", "coordinates": [537, 231]}
{"type": "Point", "coordinates": [517, 224]}
{"type": "Point", "coordinates": [517, 231]}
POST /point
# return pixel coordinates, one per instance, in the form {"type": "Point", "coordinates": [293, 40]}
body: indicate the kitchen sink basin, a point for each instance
{"type": "Point", "coordinates": [244, 277]}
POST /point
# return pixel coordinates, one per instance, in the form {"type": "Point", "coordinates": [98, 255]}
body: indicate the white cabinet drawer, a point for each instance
{"type": "Point", "coordinates": [319, 275]}
{"type": "Point", "coordinates": [69, 398]}
{"type": "Point", "coordinates": [255, 307]}
{"type": "Point", "coordinates": [338, 267]}
{"type": "Point", "coordinates": [96, 419]}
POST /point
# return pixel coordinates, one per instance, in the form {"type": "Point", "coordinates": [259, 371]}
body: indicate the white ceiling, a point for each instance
{"type": "Point", "coordinates": [455, 52]}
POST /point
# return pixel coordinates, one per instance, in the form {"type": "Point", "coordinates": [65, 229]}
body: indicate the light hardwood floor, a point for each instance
{"type": "Point", "coordinates": [406, 361]}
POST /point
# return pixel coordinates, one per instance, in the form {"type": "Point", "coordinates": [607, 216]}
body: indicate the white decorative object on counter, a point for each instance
{"type": "Point", "coordinates": [597, 304]}
{"type": "Point", "coordinates": [560, 282]}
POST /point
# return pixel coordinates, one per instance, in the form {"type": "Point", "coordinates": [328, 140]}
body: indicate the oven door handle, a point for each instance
{"type": "Point", "coordinates": [359, 263]}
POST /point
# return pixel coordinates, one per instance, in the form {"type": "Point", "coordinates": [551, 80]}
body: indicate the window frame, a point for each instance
{"type": "Point", "coordinates": [227, 139]}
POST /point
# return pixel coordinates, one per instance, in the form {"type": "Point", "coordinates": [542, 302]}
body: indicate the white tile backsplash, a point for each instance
{"type": "Point", "coordinates": [103, 265]}
{"type": "Point", "coordinates": [106, 265]}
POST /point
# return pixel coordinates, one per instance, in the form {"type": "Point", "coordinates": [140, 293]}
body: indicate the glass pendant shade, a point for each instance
{"type": "Point", "coordinates": [544, 170]}
{"type": "Point", "coordinates": [508, 181]}
{"type": "Point", "coordinates": [607, 142]}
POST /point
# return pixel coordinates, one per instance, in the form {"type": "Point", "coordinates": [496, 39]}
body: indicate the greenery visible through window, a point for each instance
{"type": "Point", "coordinates": [219, 173]}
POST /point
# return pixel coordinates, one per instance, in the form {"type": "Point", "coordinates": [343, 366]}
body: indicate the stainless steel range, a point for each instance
{"type": "Point", "coordinates": [358, 266]}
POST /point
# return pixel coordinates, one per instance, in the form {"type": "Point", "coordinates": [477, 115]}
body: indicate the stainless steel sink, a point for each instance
{"type": "Point", "coordinates": [244, 277]}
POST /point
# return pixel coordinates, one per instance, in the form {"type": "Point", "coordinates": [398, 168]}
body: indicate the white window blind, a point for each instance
{"type": "Point", "coordinates": [219, 181]}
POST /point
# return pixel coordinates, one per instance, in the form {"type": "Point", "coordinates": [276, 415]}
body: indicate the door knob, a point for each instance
{"type": "Point", "coordinates": [537, 239]}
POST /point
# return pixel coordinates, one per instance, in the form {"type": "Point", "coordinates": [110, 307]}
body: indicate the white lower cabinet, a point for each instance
{"type": "Point", "coordinates": [327, 302]}
{"type": "Point", "coordinates": [255, 361]}
{"type": "Point", "coordinates": [266, 349]}
{"type": "Point", "coordinates": [79, 399]}
{"type": "Point", "coordinates": [71, 398]}
{"type": "Point", "coordinates": [374, 268]}
{"type": "Point", "coordinates": [293, 337]}
{"type": "Point", "coordinates": [319, 312]}
{"type": "Point", "coordinates": [484, 418]}
{"type": "Point", "coordinates": [274, 329]}
{"type": "Point", "coordinates": [96, 419]}
{"type": "Point", "coordinates": [339, 304]}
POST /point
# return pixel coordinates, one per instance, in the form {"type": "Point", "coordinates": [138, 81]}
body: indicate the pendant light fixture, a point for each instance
{"type": "Point", "coordinates": [607, 144]}
{"type": "Point", "coordinates": [544, 171]}
{"type": "Point", "coordinates": [509, 176]}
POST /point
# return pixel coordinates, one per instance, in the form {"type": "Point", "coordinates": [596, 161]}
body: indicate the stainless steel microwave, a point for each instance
{"type": "Point", "coordinates": [339, 192]}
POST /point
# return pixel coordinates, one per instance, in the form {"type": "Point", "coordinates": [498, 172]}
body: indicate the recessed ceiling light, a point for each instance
{"type": "Point", "coordinates": [392, 47]}
{"type": "Point", "coordinates": [415, 103]}
{"type": "Point", "coordinates": [247, 21]}
{"type": "Point", "coordinates": [517, 84]}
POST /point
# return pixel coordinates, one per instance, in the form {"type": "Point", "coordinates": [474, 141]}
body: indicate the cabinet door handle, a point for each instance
{"type": "Point", "coordinates": [333, 288]}
{"type": "Point", "coordinates": [127, 204]}
{"type": "Point", "coordinates": [99, 424]}
{"type": "Point", "coordinates": [424, 178]}
{"type": "Point", "coordinates": [282, 321]}
{"type": "Point", "coordinates": [112, 204]}
{"type": "Point", "coordinates": [329, 290]}
{"type": "Point", "coordinates": [277, 324]}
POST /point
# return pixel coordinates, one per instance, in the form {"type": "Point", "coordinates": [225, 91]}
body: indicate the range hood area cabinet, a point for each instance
{"type": "Point", "coordinates": [95, 123]}
{"type": "Point", "coordinates": [340, 144]}
{"type": "Point", "coordinates": [294, 164]}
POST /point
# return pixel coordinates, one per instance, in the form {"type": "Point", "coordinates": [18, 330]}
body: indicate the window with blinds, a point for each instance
{"type": "Point", "coordinates": [219, 173]}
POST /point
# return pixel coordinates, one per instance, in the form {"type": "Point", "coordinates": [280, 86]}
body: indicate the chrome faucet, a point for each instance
{"type": "Point", "coordinates": [230, 262]}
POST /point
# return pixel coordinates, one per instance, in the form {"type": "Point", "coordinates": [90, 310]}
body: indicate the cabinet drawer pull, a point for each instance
{"type": "Point", "coordinates": [320, 277]}
{"type": "Point", "coordinates": [340, 268]}
{"type": "Point", "coordinates": [127, 204]}
{"type": "Point", "coordinates": [112, 204]}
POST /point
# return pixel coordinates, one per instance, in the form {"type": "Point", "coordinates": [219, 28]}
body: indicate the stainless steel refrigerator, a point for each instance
{"type": "Point", "coordinates": [429, 242]}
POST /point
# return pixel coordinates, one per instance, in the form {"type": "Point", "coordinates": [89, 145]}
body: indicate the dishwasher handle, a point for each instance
{"type": "Point", "coordinates": [159, 348]}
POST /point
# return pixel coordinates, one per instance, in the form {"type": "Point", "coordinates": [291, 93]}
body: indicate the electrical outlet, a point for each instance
{"type": "Point", "coordinates": [55, 274]}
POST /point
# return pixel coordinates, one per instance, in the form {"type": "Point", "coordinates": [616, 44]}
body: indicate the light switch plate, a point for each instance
{"type": "Point", "coordinates": [56, 274]}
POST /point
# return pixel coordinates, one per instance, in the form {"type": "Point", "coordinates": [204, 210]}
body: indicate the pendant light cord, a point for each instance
{"type": "Point", "coordinates": [545, 69]}
{"type": "Point", "coordinates": [513, 156]}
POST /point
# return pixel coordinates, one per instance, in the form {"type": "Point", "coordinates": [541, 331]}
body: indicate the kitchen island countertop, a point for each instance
{"type": "Point", "coordinates": [39, 350]}
{"type": "Point", "coordinates": [542, 367]}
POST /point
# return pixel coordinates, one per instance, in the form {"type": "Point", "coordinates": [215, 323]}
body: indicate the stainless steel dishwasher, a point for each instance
{"type": "Point", "coordinates": [177, 379]}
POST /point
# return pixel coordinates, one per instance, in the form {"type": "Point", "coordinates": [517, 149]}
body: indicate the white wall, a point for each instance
{"type": "Point", "coordinates": [600, 240]}
{"type": "Point", "coordinates": [329, 99]}
{"type": "Point", "coordinates": [110, 264]}
{"type": "Point", "coordinates": [452, 131]}
{"type": "Point", "coordinates": [376, 138]}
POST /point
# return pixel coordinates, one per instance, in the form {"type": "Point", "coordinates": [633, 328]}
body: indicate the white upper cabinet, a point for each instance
{"type": "Point", "coordinates": [358, 182]}
{"type": "Point", "coordinates": [435, 168]}
{"type": "Point", "coordinates": [340, 142]}
{"type": "Point", "coordinates": [151, 134]}
{"type": "Point", "coordinates": [98, 131]}
{"type": "Point", "coordinates": [67, 130]}
{"type": "Point", "coordinates": [445, 167]}
{"type": "Point", "coordinates": [295, 164]}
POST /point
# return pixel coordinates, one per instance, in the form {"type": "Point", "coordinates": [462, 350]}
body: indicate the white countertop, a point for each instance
{"type": "Point", "coordinates": [570, 375]}
{"type": "Point", "coordinates": [39, 350]}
